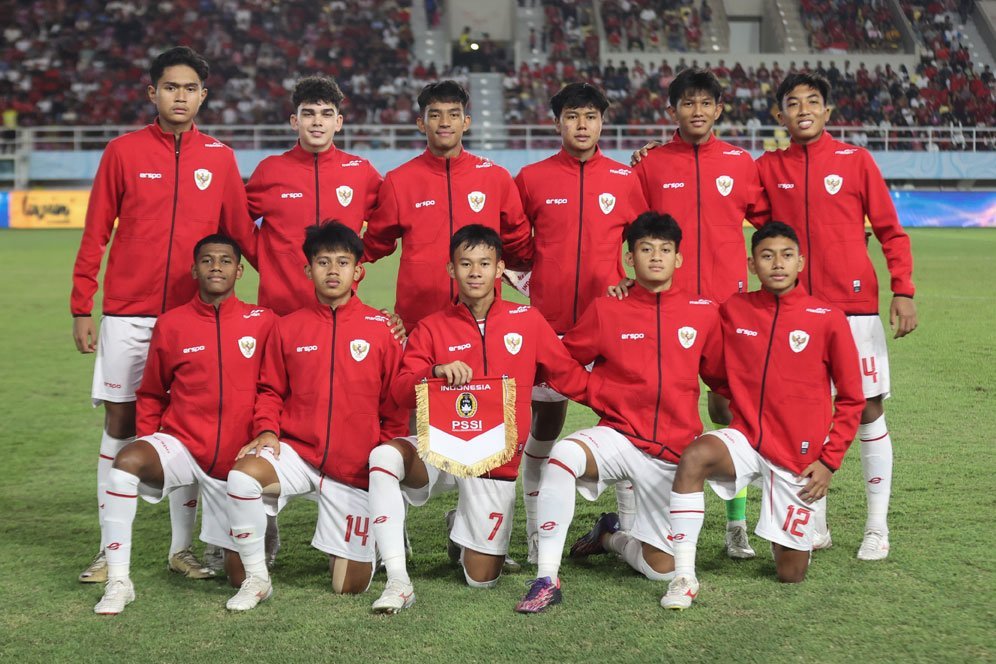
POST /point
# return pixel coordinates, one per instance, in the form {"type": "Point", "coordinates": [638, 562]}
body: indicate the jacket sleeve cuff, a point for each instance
{"type": "Point", "coordinates": [828, 466]}
{"type": "Point", "coordinates": [907, 295]}
{"type": "Point", "coordinates": [82, 315]}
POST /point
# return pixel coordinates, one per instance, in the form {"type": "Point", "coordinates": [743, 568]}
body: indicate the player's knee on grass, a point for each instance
{"type": "Point", "coordinates": [234, 570]}
{"type": "Point", "coordinates": [260, 470]}
{"type": "Point", "coordinates": [548, 419]}
{"type": "Point", "coordinates": [349, 577]}
{"type": "Point", "coordinates": [140, 459]}
{"type": "Point", "coordinates": [874, 409]}
{"type": "Point", "coordinates": [119, 419]}
{"type": "Point", "coordinates": [790, 564]}
{"type": "Point", "coordinates": [481, 570]}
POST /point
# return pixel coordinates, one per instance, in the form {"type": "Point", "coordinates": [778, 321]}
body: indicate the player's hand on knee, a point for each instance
{"type": "Point", "coordinates": [638, 156]}
{"type": "Point", "coordinates": [819, 481]}
{"type": "Point", "coordinates": [620, 290]}
{"type": "Point", "coordinates": [455, 373]}
{"type": "Point", "coordinates": [902, 316]}
{"type": "Point", "coordinates": [85, 334]}
{"type": "Point", "coordinates": [259, 443]}
{"type": "Point", "coordinates": [396, 324]}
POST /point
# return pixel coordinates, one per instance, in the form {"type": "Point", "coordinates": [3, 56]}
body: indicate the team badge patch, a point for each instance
{"type": "Point", "coordinates": [202, 178]}
{"type": "Point", "coordinates": [513, 342]}
{"type": "Point", "coordinates": [607, 202]}
{"type": "Point", "coordinates": [476, 200]}
{"type": "Point", "coordinates": [466, 405]}
{"type": "Point", "coordinates": [359, 348]}
{"type": "Point", "coordinates": [798, 340]}
{"type": "Point", "coordinates": [345, 194]}
{"type": "Point", "coordinates": [248, 346]}
{"type": "Point", "coordinates": [686, 336]}
{"type": "Point", "coordinates": [724, 183]}
{"type": "Point", "coordinates": [832, 183]}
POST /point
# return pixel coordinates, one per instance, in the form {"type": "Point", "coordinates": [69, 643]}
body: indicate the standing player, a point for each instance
{"type": "Point", "coordinates": [579, 203]}
{"type": "Point", "coordinates": [478, 335]}
{"type": "Point", "coordinates": [782, 348]}
{"type": "Point", "coordinates": [710, 187]}
{"type": "Point", "coordinates": [194, 410]}
{"type": "Point", "coordinates": [648, 352]}
{"type": "Point", "coordinates": [309, 183]}
{"type": "Point", "coordinates": [167, 185]}
{"type": "Point", "coordinates": [323, 403]}
{"type": "Point", "coordinates": [426, 200]}
{"type": "Point", "coordinates": [826, 189]}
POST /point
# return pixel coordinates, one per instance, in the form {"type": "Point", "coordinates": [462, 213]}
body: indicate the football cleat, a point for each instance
{"type": "Point", "coordinates": [397, 596]}
{"type": "Point", "coordinates": [118, 593]}
{"type": "Point", "coordinates": [185, 562]}
{"type": "Point", "coordinates": [510, 566]}
{"type": "Point", "coordinates": [252, 591]}
{"type": "Point", "coordinates": [214, 558]}
{"type": "Point", "coordinates": [680, 592]}
{"type": "Point", "coordinates": [96, 571]}
{"type": "Point", "coordinates": [532, 555]}
{"type": "Point", "coordinates": [737, 545]}
{"type": "Point", "coordinates": [542, 594]}
{"type": "Point", "coordinates": [822, 540]}
{"type": "Point", "coordinates": [875, 546]}
{"type": "Point", "coordinates": [590, 544]}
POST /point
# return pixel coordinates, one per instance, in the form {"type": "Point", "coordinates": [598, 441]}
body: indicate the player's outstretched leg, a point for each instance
{"type": "Point", "coordinates": [876, 463]}
{"type": "Point", "coordinates": [248, 523]}
{"type": "Point", "coordinates": [626, 505]}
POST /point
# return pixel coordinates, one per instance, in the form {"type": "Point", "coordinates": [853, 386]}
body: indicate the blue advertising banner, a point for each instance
{"type": "Point", "coordinates": [957, 209]}
{"type": "Point", "coordinates": [4, 209]}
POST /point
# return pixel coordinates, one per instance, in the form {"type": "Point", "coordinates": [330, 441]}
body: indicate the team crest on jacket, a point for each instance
{"type": "Point", "coordinates": [359, 348]}
{"type": "Point", "coordinates": [832, 182]}
{"type": "Point", "coordinates": [248, 346]}
{"type": "Point", "coordinates": [476, 200]}
{"type": "Point", "coordinates": [686, 336]}
{"type": "Point", "coordinates": [202, 178]}
{"type": "Point", "coordinates": [513, 342]}
{"type": "Point", "coordinates": [798, 340]}
{"type": "Point", "coordinates": [607, 202]}
{"type": "Point", "coordinates": [725, 184]}
{"type": "Point", "coordinates": [345, 194]}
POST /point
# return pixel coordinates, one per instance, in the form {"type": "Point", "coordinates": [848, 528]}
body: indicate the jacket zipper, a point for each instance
{"type": "Point", "coordinates": [577, 266]}
{"type": "Point", "coordinates": [660, 370]}
{"type": "Point", "coordinates": [809, 240]}
{"type": "Point", "coordinates": [764, 376]}
{"type": "Point", "coordinates": [328, 419]}
{"type": "Point", "coordinates": [482, 329]}
{"type": "Point", "coordinates": [177, 140]}
{"type": "Point", "coordinates": [318, 194]}
{"type": "Point", "coordinates": [449, 200]}
{"type": "Point", "coordinates": [698, 225]}
{"type": "Point", "coordinates": [221, 386]}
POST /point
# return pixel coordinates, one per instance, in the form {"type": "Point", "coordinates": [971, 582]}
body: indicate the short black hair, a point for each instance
{"type": "Point", "coordinates": [331, 235]}
{"type": "Point", "coordinates": [691, 80]}
{"type": "Point", "coordinates": [772, 229]}
{"type": "Point", "coordinates": [315, 89]}
{"type": "Point", "coordinates": [653, 225]}
{"type": "Point", "coordinates": [218, 238]}
{"type": "Point", "coordinates": [179, 55]}
{"type": "Point", "coordinates": [578, 95]}
{"type": "Point", "coordinates": [475, 235]}
{"type": "Point", "coordinates": [809, 79]}
{"type": "Point", "coordinates": [443, 91]}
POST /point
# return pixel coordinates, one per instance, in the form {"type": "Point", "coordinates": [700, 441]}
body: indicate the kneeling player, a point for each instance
{"type": "Point", "coordinates": [478, 335]}
{"type": "Point", "coordinates": [194, 406]}
{"type": "Point", "coordinates": [323, 403]}
{"type": "Point", "coordinates": [782, 347]}
{"type": "Point", "coordinates": [649, 351]}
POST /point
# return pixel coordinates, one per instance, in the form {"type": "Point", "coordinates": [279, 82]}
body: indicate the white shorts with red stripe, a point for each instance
{"type": "Point", "coordinates": [873, 353]}
{"type": "Point", "coordinates": [785, 518]}
{"type": "Point", "coordinates": [122, 347]}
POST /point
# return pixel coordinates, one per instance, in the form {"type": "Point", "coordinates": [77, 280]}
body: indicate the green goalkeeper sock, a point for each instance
{"type": "Point", "coordinates": [736, 509]}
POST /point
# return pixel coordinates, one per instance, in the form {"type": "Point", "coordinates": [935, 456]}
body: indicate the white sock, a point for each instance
{"type": "Point", "coordinates": [876, 461]}
{"type": "Point", "coordinates": [555, 507]}
{"type": "Point", "coordinates": [820, 527]}
{"type": "Point", "coordinates": [534, 458]}
{"type": "Point", "coordinates": [387, 509]}
{"type": "Point", "coordinates": [248, 521]}
{"type": "Point", "coordinates": [687, 515]}
{"type": "Point", "coordinates": [626, 505]}
{"type": "Point", "coordinates": [120, 505]}
{"type": "Point", "coordinates": [182, 514]}
{"type": "Point", "coordinates": [109, 448]}
{"type": "Point", "coordinates": [631, 550]}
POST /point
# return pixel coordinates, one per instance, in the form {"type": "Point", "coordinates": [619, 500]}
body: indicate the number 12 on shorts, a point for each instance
{"type": "Point", "coordinates": [795, 519]}
{"type": "Point", "coordinates": [358, 526]}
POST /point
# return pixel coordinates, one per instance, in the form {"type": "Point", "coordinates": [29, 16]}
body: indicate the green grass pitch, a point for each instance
{"type": "Point", "coordinates": [932, 600]}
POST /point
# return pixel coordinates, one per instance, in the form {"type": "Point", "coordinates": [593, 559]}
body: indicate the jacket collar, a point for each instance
{"type": "Point", "coordinates": [227, 307]}
{"type": "Point", "coordinates": [823, 144]}
{"type": "Point", "coordinates": [168, 138]}
{"type": "Point", "coordinates": [791, 299]}
{"type": "Point", "coordinates": [677, 142]}
{"type": "Point", "coordinates": [565, 158]}
{"type": "Point", "coordinates": [325, 311]}
{"type": "Point", "coordinates": [299, 154]}
{"type": "Point", "coordinates": [438, 164]}
{"type": "Point", "coordinates": [640, 294]}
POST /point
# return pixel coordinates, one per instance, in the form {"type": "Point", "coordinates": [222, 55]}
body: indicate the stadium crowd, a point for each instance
{"type": "Point", "coordinates": [655, 25]}
{"type": "Point", "coordinates": [846, 26]}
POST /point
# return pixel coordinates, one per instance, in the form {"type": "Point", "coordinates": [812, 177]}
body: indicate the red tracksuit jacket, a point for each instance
{"type": "Point", "coordinates": [166, 195]}
{"type": "Point", "coordinates": [291, 191]}
{"type": "Point", "coordinates": [649, 350]}
{"type": "Point", "coordinates": [825, 190]}
{"type": "Point", "coordinates": [324, 387]}
{"type": "Point", "coordinates": [709, 189]}
{"type": "Point", "coordinates": [781, 354]}
{"type": "Point", "coordinates": [516, 342]}
{"type": "Point", "coordinates": [424, 202]}
{"type": "Point", "coordinates": [200, 379]}
{"type": "Point", "coordinates": [579, 211]}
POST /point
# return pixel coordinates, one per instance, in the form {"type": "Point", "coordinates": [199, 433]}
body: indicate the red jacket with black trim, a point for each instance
{"type": "Point", "coordinates": [296, 189]}
{"type": "Point", "coordinates": [324, 387]}
{"type": "Point", "coordinates": [199, 383]}
{"type": "Point", "coordinates": [579, 212]}
{"type": "Point", "coordinates": [710, 189]}
{"type": "Point", "coordinates": [825, 190]}
{"type": "Point", "coordinates": [166, 193]}
{"type": "Point", "coordinates": [649, 351]}
{"type": "Point", "coordinates": [424, 202]}
{"type": "Point", "coordinates": [516, 341]}
{"type": "Point", "coordinates": [781, 354]}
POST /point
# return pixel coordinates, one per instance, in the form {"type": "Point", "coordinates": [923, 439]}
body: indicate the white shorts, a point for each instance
{"type": "Point", "coordinates": [122, 346]}
{"type": "Point", "coordinates": [484, 508]}
{"type": "Point", "coordinates": [785, 518]}
{"type": "Point", "coordinates": [869, 337]}
{"type": "Point", "coordinates": [343, 528]}
{"type": "Point", "coordinates": [619, 460]}
{"type": "Point", "coordinates": [179, 470]}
